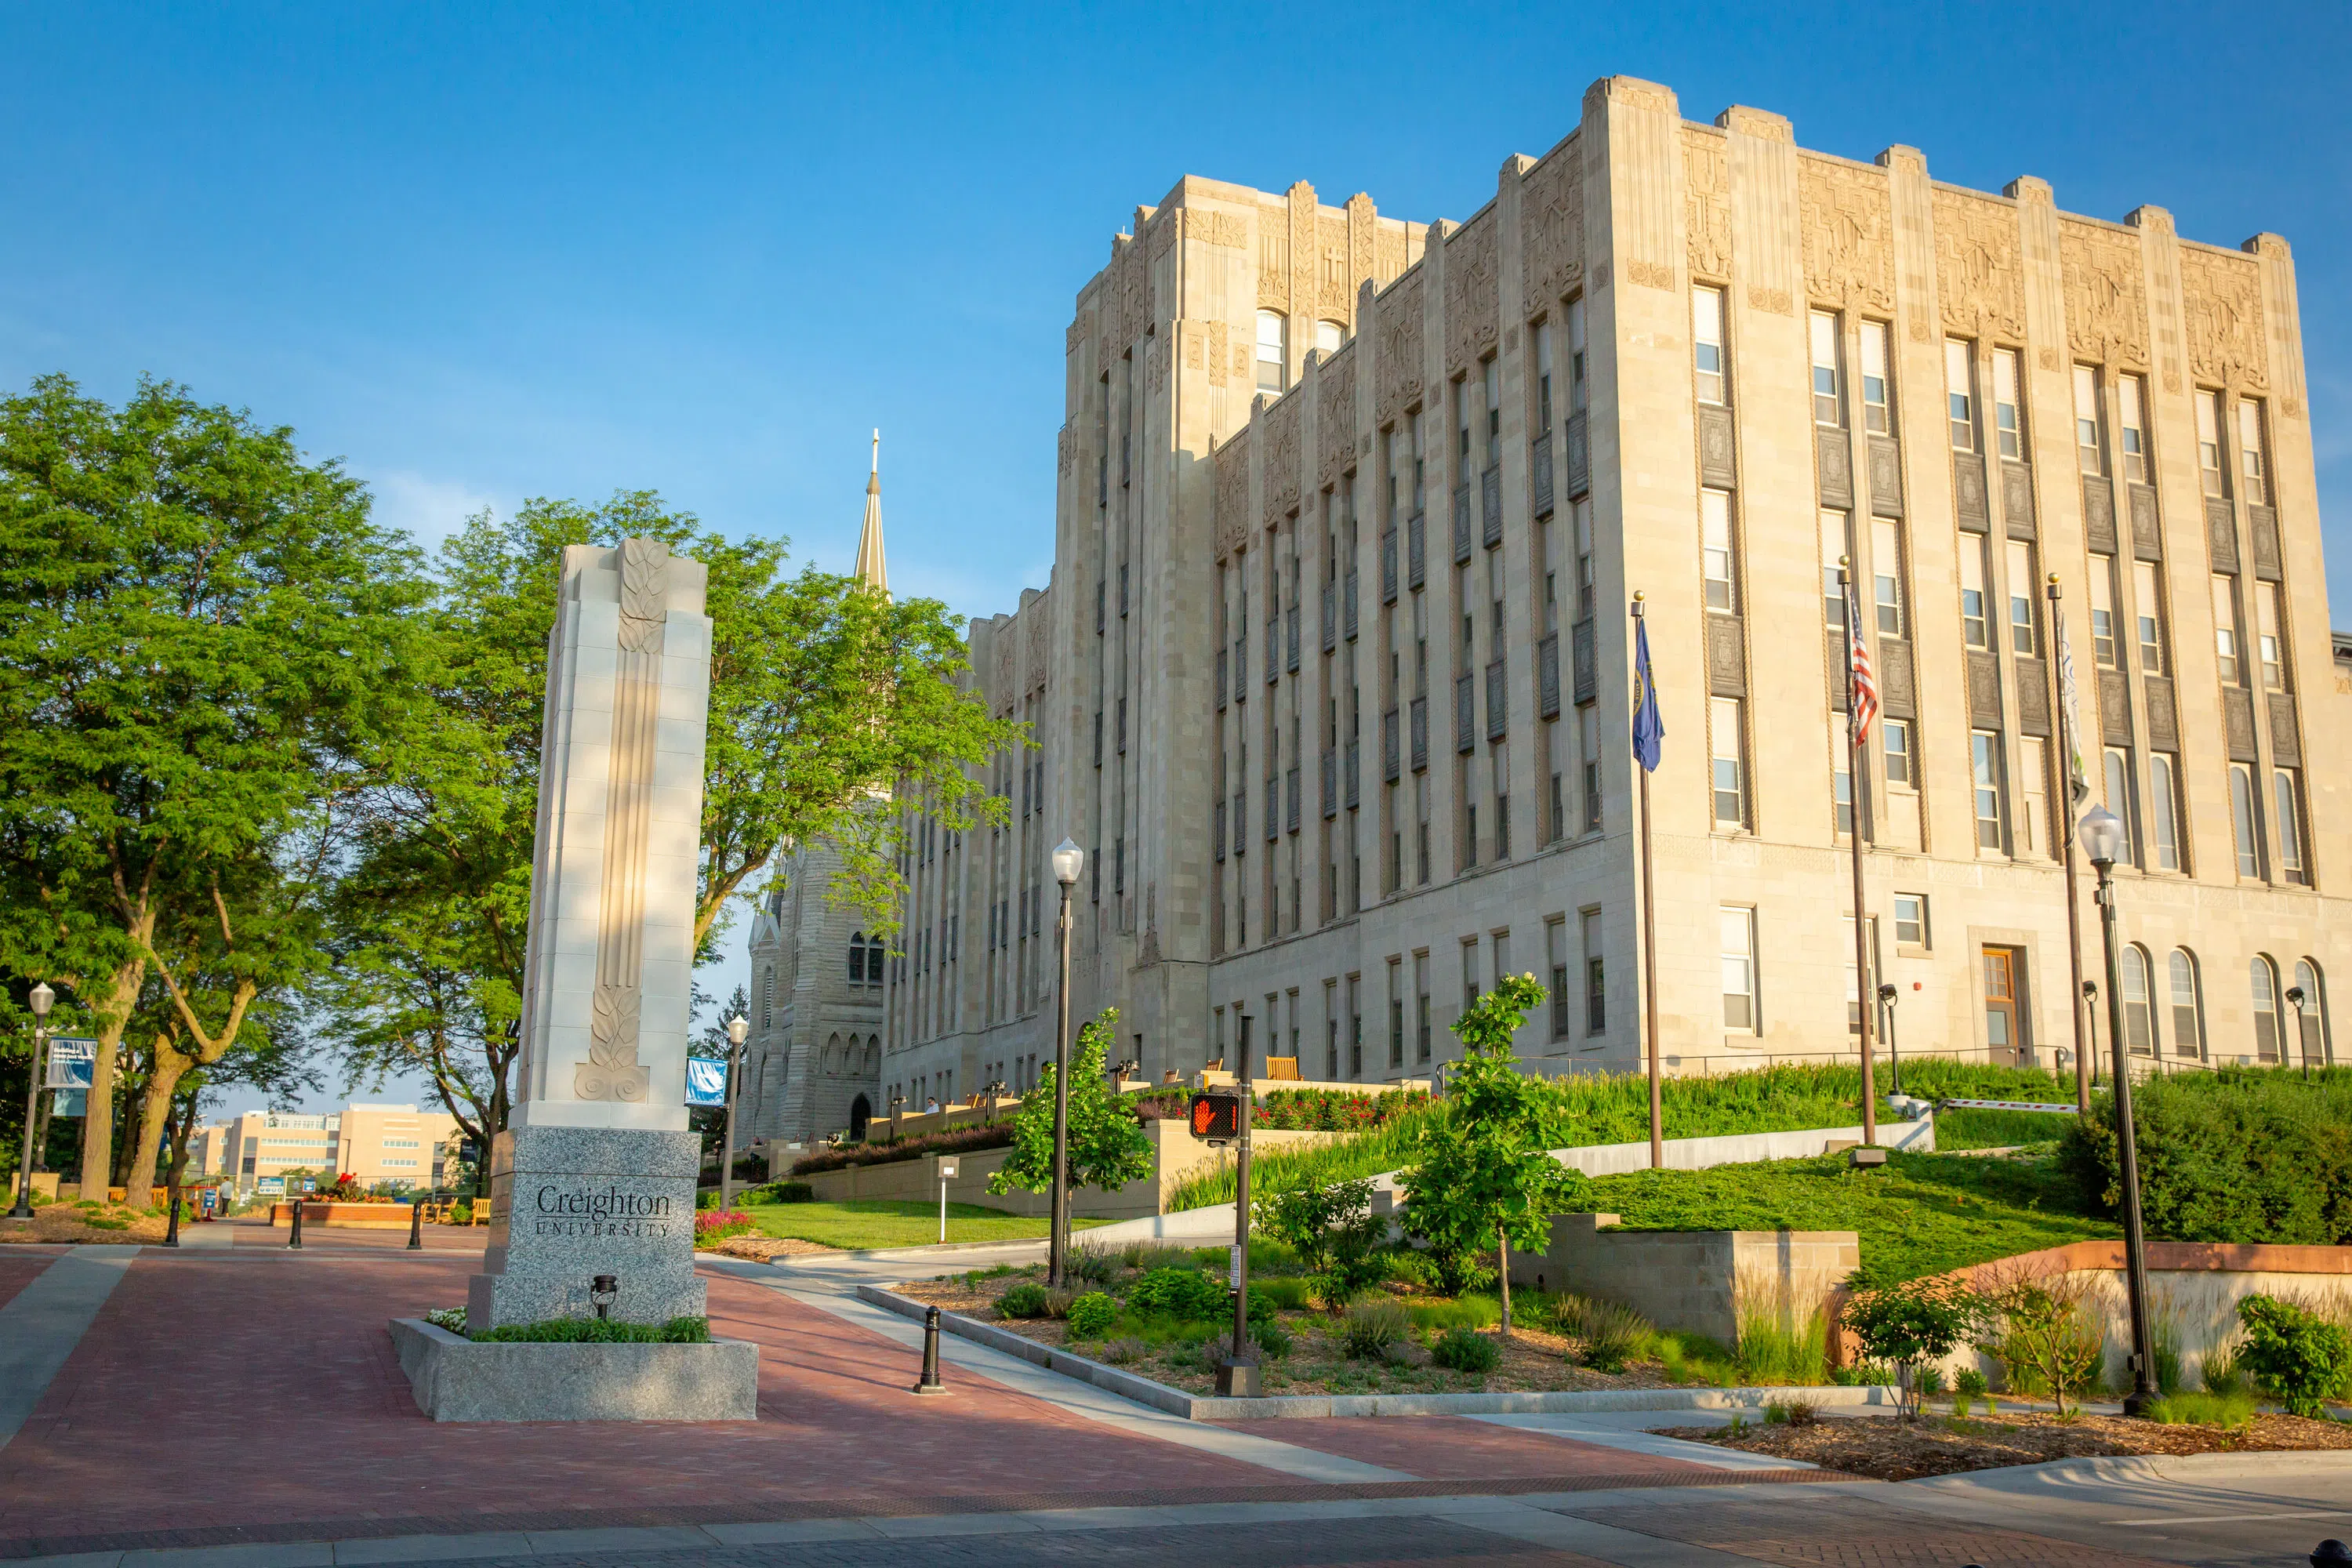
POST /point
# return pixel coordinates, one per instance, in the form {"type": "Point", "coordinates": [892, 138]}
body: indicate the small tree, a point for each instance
{"type": "Point", "coordinates": [1333, 1228]}
{"type": "Point", "coordinates": [2302, 1359]}
{"type": "Point", "coordinates": [1485, 1178]}
{"type": "Point", "coordinates": [2048, 1331]}
{"type": "Point", "coordinates": [1916, 1323]}
{"type": "Point", "coordinates": [1108, 1148]}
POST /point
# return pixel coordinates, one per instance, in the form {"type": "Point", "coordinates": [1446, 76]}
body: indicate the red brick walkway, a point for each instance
{"type": "Point", "coordinates": [19, 1266]}
{"type": "Point", "coordinates": [1448, 1448]}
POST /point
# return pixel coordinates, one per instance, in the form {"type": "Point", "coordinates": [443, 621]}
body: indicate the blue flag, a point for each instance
{"type": "Point", "coordinates": [1649, 729]}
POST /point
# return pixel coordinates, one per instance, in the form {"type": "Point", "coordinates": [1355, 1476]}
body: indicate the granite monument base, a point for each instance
{"type": "Point", "coordinates": [571, 1203]}
{"type": "Point", "coordinates": [456, 1379]}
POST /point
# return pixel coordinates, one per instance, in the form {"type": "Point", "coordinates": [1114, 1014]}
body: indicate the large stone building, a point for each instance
{"type": "Point", "coordinates": [1332, 681]}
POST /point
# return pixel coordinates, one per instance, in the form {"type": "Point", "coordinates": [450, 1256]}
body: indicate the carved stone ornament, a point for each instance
{"type": "Point", "coordinates": [1213, 228]}
{"type": "Point", "coordinates": [1135, 297]}
{"type": "Point", "coordinates": [1396, 326]}
{"type": "Point", "coordinates": [1392, 254]}
{"type": "Point", "coordinates": [1304, 212]}
{"type": "Point", "coordinates": [1335, 280]}
{"type": "Point", "coordinates": [1040, 618]}
{"type": "Point", "coordinates": [1232, 528]}
{"type": "Point", "coordinates": [1650, 275]}
{"type": "Point", "coordinates": [1067, 445]}
{"type": "Point", "coordinates": [2223, 298]}
{"type": "Point", "coordinates": [1334, 414]}
{"type": "Point", "coordinates": [1155, 364]}
{"type": "Point", "coordinates": [1075, 336]}
{"type": "Point", "coordinates": [1280, 439]}
{"type": "Point", "coordinates": [1848, 219]}
{"type": "Point", "coordinates": [1273, 258]}
{"type": "Point", "coordinates": [1363, 250]}
{"type": "Point", "coordinates": [1551, 226]}
{"type": "Point", "coordinates": [2106, 304]}
{"type": "Point", "coordinates": [1471, 320]}
{"type": "Point", "coordinates": [1979, 280]}
{"type": "Point", "coordinates": [644, 594]}
{"type": "Point", "coordinates": [1706, 202]}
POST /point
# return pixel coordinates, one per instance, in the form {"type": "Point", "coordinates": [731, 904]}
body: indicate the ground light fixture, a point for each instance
{"type": "Point", "coordinates": [1068, 860]}
{"type": "Point", "coordinates": [603, 1291]}
{"type": "Point", "coordinates": [2104, 842]}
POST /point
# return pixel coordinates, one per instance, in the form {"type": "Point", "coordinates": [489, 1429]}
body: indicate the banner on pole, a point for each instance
{"type": "Point", "coordinates": [706, 1081]}
{"type": "Point", "coordinates": [70, 1102]}
{"type": "Point", "coordinates": [73, 1062]}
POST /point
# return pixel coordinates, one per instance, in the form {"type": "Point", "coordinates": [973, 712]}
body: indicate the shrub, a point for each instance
{"type": "Point", "coordinates": [2220, 1373]}
{"type": "Point", "coordinates": [783, 1192]}
{"type": "Point", "coordinates": [600, 1330]}
{"type": "Point", "coordinates": [1027, 1300]}
{"type": "Point", "coordinates": [963, 1141]}
{"type": "Point", "coordinates": [1091, 1315]}
{"type": "Point", "coordinates": [1057, 1301]}
{"type": "Point", "coordinates": [1121, 1352]}
{"type": "Point", "coordinates": [1106, 1146]}
{"type": "Point", "coordinates": [1466, 1350]}
{"type": "Point", "coordinates": [1286, 1291]}
{"type": "Point", "coordinates": [2298, 1356]}
{"type": "Point", "coordinates": [1146, 1256]}
{"type": "Point", "coordinates": [1371, 1327]}
{"type": "Point", "coordinates": [2050, 1337]}
{"type": "Point", "coordinates": [1332, 1228]}
{"type": "Point", "coordinates": [714, 1225]}
{"type": "Point", "coordinates": [1969, 1383]}
{"type": "Point", "coordinates": [1791, 1413]}
{"type": "Point", "coordinates": [1271, 1338]}
{"type": "Point", "coordinates": [450, 1318]}
{"type": "Point", "coordinates": [1916, 1323]}
{"type": "Point", "coordinates": [1612, 1336]}
{"type": "Point", "coordinates": [1180, 1293]}
{"type": "Point", "coordinates": [1089, 1266]}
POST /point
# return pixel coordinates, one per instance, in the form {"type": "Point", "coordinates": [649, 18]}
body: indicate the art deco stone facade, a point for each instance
{"type": "Point", "coordinates": [1332, 682]}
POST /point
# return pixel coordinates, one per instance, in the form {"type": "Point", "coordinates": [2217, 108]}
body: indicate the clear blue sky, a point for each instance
{"type": "Point", "coordinates": [484, 252]}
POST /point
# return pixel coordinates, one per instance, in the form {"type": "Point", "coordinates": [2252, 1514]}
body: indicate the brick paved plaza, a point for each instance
{"type": "Point", "coordinates": [241, 1398]}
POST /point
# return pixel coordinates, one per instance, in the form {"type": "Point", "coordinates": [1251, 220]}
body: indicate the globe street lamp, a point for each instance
{"type": "Point", "coordinates": [1068, 861]}
{"type": "Point", "coordinates": [2104, 841]}
{"type": "Point", "coordinates": [1887, 996]}
{"type": "Point", "coordinates": [40, 999]}
{"type": "Point", "coordinates": [737, 1028]}
{"type": "Point", "coordinates": [2302, 1041]}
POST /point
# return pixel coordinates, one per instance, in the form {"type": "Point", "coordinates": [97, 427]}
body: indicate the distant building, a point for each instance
{"type": "Point", "coordinates": [395, 1144]}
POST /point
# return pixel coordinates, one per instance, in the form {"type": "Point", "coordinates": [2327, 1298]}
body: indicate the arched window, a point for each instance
{"type": "Point", "coordinates": [2188, 1004]}
{"type": "Point", "coordinates": [2311, 1013]}
{"type": "Point", "coordinates": [1330, 336]}
{"type": "Point", "coordinates": [2140, 1015]}
{"type": "Point", "coordinates": [858, 958]}
{"type": "Point", "coordinates": [1273, 352]}
{"type": "Point", "coordinates": [768, 998]}
{"type": "Point", "coordinates": [2264, 974]}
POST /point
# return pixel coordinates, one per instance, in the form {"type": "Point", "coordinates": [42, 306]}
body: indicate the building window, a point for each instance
{"type": "Point", "coordinates": [1328, 337]}
{"type": "Point", "coordinates": [2164, 810]}
{"type": "Point", "coordinates": [2208, 444]}
{"type": "Point", "coordinates": [1469, 973]}
{"type": "Point", "coordinates": [1896, 734]}
{"type": "Point", "coordinates": [1396, 1012]}
{"type": "Point", "coordinates": [1976, 626]}
{"type": "Point", "coordinates": [1706, 343]}
{"type": "Point", "coordinates": [1541, 332]}
{"type": "Point", "coordinates": [2022, 639]}
{"type": "Point", "coordinates": [1579, 382]}
{"type": "Point", "coordinates": [2242, 812]}
{"type": "Point", "coordinates": [1829, 405]}
{"type": "Point", "coordinates": [2263, 976]}
{"type": "Point", "coordinates": [1588, 724]}
{"type": "Point", "coordinates": [1730, 789]}
{"type": "Point", "coordinates": [2090, 444]}
{"type": "Point", "coordinates": [2119, 772]}
{"type": "Point", "coordinates": [2188, 1004]}
{"type": "Point", "coordinates": [1738, 929]}
{"type": "Point", "coordinates": [1886, 576]}
{"type": "Point", "coordinates": [1875, 412]}
{"type": "Point", "coordinates": [1421, 1005]}
{"type": "Point", "coordinates": [2225, 629]}
{"type": "Point", "coordinates": [1715, 533]}
{"type": "Point", "coordinates": [1273, 352]}
{"type": "Point", "coordinates": [2251, 466]}
{"type": "Point", "coordinates": [1555, 960]}
{"type": "Point", "coordinates": [1596, 987]}
{"type": "Point", "coordinates": [2149, 609]}
{"type": "Point", "coordinates": [1555, 774]}
{"type": "Point", "coordinates": [2311, 1014]}
{"type": "Point", "coordinates": [2134, 429]}
{"type": "Point", "coordinates": [1961, 394]}
{"type": "Point", "coordinates": [1911, 920]}
{"type": "Point", "coordinates": [2266, 637]}
{"type": "Point", "coordinates": [2289, 803]}
{"type": "Point", "coordinates": [1984, 756]}
{"type": "Point", "coordinates": [1834, 549]}
{"type": "Point", "coordinates": [2140, 1013]}
{"type": "Point", "coordinates": [2102, 611]}
{"type": "Point", "coordinates": [1841, 776]}
{"type": "Point", "coordinates": [1581, 515]}
{"type": "Point", "coordinates": [2009, 432]}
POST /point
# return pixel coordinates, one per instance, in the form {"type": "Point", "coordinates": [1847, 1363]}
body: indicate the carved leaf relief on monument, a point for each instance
{"type": "Point", "coordinates": [1848, 221]}
{"type": "Point", "coordinates": [1281, 443]}
{"type": "Point", "coordinates": [1979, 280]}
{"type": "Point", "coordinates": [1551, 226]}
{"type": "Point", "coordinates": [1706, 202]}
{"type": "Point", "coordinates": [2223, 298]}
{"type": "Point", "coordinates": [2106, 311]}
{"type": "Point", "coordinates": [1233, 495]}
{"type": "Point", "coordinates": [1272, 259]}
{"type": "Point", "coordinates": [1335, 415]}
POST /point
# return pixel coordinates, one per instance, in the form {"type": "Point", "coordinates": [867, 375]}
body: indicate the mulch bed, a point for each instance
{"type": "Point", "coordinates": [68, 1221]}
{"type": "Point", "coordinates": [764, 1248]}
{"type": "Point", "coordinates": [1894, 1449]}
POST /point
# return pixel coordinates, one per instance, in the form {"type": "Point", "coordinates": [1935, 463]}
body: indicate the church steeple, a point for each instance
{"type": "Point", "coordinates": [869, 569]}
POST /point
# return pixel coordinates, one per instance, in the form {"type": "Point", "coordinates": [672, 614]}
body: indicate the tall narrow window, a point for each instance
{"type": "Point", "coordinates": [2009, 430]}
{"type": "Point", "coordinates": [2033, 788]}
{"type": "Point", "coordinates": [2288, 800]}
{"type": "Point", "coordinates": [2102, 611]}
{"type": "Point", "coordinates": [1588, 724]}
{"type": "Point", "coordinates": [1828, 404]}
{"type": "Point", "coordinates": [1596, 988]}
{"type": "Point", "coordinates": [1579, 381]}
{"type": "Point", "coordinates": [1961, 394]}
{"type": "Point", "coordinates": [1706, 343]}
{"type": "Point", "coordinates": [1730, 788]}
{"type": "Point", "coordinates": [2263, 976]}
{"type": "Point", "coordinates": [2208, 444]}
{"type": "Point", "coordinates": [2090, 444]}
{"type": "Point", "coordinates": [1491, 389]}
{"type": "Point", "coordinates": [1739, 933]}
{"type": "Point", "coordinates": [2148, 609]}
{"type": "Point", "coordinates": [1715, 533]}
{"type": "Point", "coordinates": [2225, 630]}
{"type": "Point", "coordinates": [2164, 810]}
{"type": "Point", "coordinates": [2118, 773]}
{"type": "Point", "coordinates": [1556, 776]}
{"type": "Point", "coordinates": [1976, 629]}
{"type": "Point", "coordinates": [1841, 776]}
{"type": "Point", "coordinates": [1895, 736]}
{"type": "Point", "coordinates": [2252, 466]}
{"type": "Point", "coordinates": [1329, 336]}
{"type": "Point", "coordinates": [2022, 637]}
{"type": "Point", "coordinates": [1421, 1006]}
{"type": "Point", "coordinates": [2266, 637]}
{"type": "Point", "coordinates": [2139, 1014]}
{"type": "Point", "coordinates": [2188, 1004]}
{"type": "Point", "coordinates": [2311, 1015]}
{"type": "Point", "coordinates": [1876, 414]}
{"type": "Point", "coordinates": [1984, 756]}
{"type": "Point", "coordinates": [1833, 546]}
{"type": "Point", "coordinates": [1886, 575]}
{"type": "Point", "coordinates": [1543, 333]}
{"type": "Point", "coordinates": [1581, 515]}
{"type": "Point", "coordinates": [2133, 424]}
{"type": "Point", "coordinates": [2241, 814]}
{"type": "Point", "coordinates": [1556, 967]}
{"type": "Point", "coordinates": [1273, 352]}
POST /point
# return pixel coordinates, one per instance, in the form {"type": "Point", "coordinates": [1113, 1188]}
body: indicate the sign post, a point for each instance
{"type": "Point", "coordinates": [947, 1174]}
{"type": "Point", "coordinates": [1220, 1117]}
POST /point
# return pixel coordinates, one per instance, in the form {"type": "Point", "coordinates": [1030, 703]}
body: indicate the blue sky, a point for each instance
{"type": "Point", "coordinates": [484, 252]}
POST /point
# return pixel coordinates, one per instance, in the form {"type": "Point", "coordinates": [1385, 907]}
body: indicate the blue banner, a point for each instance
{"type": "Point", "coordinates": [706, 1081]}
{"type": "Point", "coordinates": [73, 1062]}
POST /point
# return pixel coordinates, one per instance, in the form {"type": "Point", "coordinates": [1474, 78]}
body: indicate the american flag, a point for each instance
{"type": "Point", "coordinates": [1865, 685]}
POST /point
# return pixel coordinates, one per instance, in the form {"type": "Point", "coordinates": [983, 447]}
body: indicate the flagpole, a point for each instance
{"type": "Point", "coordinates": [1650, 951]}
{"type": "Point", "coordinates": [1864, 992]}
{"type": "Point", "coordinates": [2062, 828]}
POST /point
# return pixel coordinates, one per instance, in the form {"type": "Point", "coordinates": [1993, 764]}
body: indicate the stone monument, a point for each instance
{"type": "Point", "coordinates": [596, 1172]}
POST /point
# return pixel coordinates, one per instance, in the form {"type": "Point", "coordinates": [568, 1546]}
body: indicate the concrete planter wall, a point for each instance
{"type": "Point", "coordinates": [456, 1379]}
{"type": "Point", "coordinates": [1689, 1281]}
{"type": "Point", "coordinates": [366, 1216]}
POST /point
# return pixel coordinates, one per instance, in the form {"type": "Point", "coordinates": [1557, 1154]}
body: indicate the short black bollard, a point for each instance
{"type": "Point", "coordinates": [2331, 1553]}
{"type": "Point", "coordinates": [417, 1225]}
{"type": "Point", "coordinates": [930, 1383]}
{"type": "Point", "coordinates": [294, 1237]}
{"type": "Point", "coordinates": [172, 1225]}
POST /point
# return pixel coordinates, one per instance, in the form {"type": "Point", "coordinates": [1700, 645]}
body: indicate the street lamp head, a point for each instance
{"type": "Point", "coordinates": [40, 998]}
{"type": "Point", "coordinates": [1068, 861]}
{"type": "Point", "coordinates": [2101, 834]}
{"type": "Point", "coordinates": [1887, 992]}
{"type": "Point", "coordinates": [2294, 995]}
{"type": "Point", "coordinates": [2090, 988]}
{"type": "Point", "coordinates": [737, 1028]}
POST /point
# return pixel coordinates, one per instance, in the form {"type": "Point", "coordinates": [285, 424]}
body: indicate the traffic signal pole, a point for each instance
{"type": "Point", "coordinates": [1238, 1378]}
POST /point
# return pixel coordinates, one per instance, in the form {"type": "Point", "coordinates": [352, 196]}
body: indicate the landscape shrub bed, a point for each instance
{"type": "Point", "coordinates": [961, 1141]}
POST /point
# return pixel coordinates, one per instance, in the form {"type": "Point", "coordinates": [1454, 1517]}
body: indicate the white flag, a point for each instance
{"type": "Point", "coordinates": [2078, 786]}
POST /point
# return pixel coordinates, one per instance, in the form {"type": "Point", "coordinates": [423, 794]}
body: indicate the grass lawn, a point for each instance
{"type": "Point", "coordinates": [1996, 1128]}
{"type": "Point", "coordinates": [1919, 1213]}
{"type": "Point", "coordinates": [862, 1223]}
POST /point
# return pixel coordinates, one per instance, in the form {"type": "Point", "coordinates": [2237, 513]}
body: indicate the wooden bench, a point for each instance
{"type": "Point", "coordinates": [1282, 1068]}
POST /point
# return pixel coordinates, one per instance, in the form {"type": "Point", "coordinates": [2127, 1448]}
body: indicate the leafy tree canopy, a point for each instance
{"type": "Point", "coordinates": [1108, 1148]}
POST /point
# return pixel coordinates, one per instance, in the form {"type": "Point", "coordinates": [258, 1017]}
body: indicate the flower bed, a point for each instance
{"type": "Point", "coordinates": [964, 1141]}
{"type": "Point", "coordinates": [712, 1227]}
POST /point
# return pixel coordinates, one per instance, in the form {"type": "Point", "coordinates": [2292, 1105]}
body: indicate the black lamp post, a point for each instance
{"type": "Point", "coordinates": [736, 1028]}
{"type": "Point", "coordinates": [1068, 861]}
{"type": "Point", "coordinates": [1886, 996]}
{"type": "Point", "coordinates": [2103, 840]}
{"type": "Point", "coordinates": [40, 999]}
{"type": "Point", "coordinates": [2091, 1018]}
{"type": "Point", "coordinates": [2302, 1043]}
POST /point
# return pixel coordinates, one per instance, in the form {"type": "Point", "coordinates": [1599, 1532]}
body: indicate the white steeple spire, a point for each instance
{"type": "Point", "coordinates": [869, 569]}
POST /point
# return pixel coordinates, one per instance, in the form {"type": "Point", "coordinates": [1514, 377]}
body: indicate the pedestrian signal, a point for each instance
{"type": "Point", "coordinates": [1217, 1117]}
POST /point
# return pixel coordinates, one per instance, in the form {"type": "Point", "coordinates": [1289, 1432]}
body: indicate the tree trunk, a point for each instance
{"type": "Point", "coordinates": [113, 1020]}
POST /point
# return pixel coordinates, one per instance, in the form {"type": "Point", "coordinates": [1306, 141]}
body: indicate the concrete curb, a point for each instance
{"type": "Point", "coordinates": [1208, 1407]}
{"type": "Point", "coordinates": [2117, 1468]}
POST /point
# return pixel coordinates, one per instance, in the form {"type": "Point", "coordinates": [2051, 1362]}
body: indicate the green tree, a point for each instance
{"type": "Point", "coordinates": [2299, 1356]}
{"type": "Point", "coordinates": [212, 657]}
{"type": "Point", "coordinates": [1333, 1231]}
{"type": "Point", "coordinates": [1483, 1179]}
{"type": "Point", "coordinates": [1918, 1322]}
{"type": "Point", "coordinates": [1108, 1148]}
